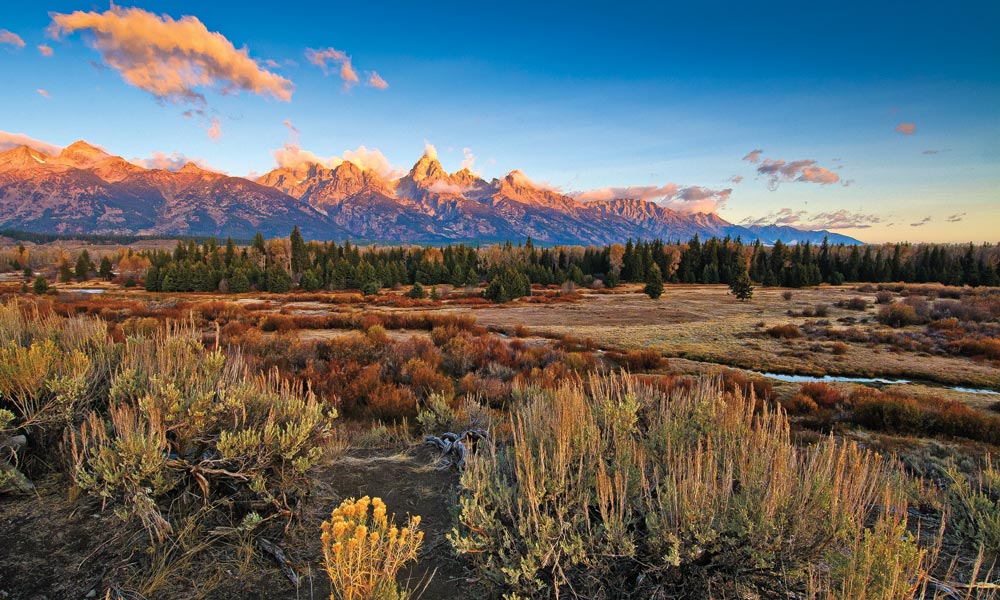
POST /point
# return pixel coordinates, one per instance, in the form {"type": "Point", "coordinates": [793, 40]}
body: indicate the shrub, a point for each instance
{"type": "Point", "coordinates": [975, 507]}
{"type": "Point", "coordinates": [884, 297]}
{"type": "Point", "coordinates": [610, 489]}
{"type": "Point", "coordinates": [856, 303]}
{"type": "Point", "coordinates": [839, 348]}
{"type": "Point", "coordinates": [787, 294]}
{"type": "Point", "coordinates": [898, 314]}
{"type": "Point", "coordinates": [822, 394]}
{"type": "Point", "coordinates": [40, 285]}
{"type": "Point", "coordinates": [821, 310]}
{"type": "Point", "coordinates": [800, 404]}
{"type": "Point", "coordinates": [365, 550]}
{"type": "Point", "coordinates": [185, 420]}
{"type": "Point", "coordinates": [784, 332]}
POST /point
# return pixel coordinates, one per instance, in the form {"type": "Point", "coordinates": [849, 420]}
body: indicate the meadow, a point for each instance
{"type": "Point", "coordinates": [207, 445]}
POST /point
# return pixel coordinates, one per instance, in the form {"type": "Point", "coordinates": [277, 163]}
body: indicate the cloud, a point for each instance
{"type": "Point", "coordinates": [736, 179]}
{"type": "Point", "coordinates": [468, 158]}
{"type": "Point", "coordinates": [690, 199]}
{"type": "Point", "coordinates": [808, 171]}
{"type": "Point", "coordinates": [753, 156]}
{"type": "Point", "coordinates": [517, 177]}
{"type": "Point", "coordinates": [9, 37]}
{"type": "Point", "coordinates": [955, 218]}
{"type": "Point", "coordinates": [921, 222]}
{"type": "Point", "coordinates": [42, 93]}
{"type": "Point", "coordinates": [430, 151]}
{"type": "Point", "coordinates": [291, 155]}
{"type": "Point", "coordinates": [841, 219]}
{"type": "Point", "coordinates": [785, 216]}
{"type": "Point", "coordinates": [375, 80]}
{"type": "Point", "coordinates": [215, 131]}
{"type": "Point", "coordinates": [929, 152]}
{"type": "Point", "coordinates": [322, 58]}
{"type": "Point", "coordinates": [13, 140]}
{"type": "Point", "coordinates": [907, 128]}
{"type": "Point", "coordinates": [169, 162]}
{"type": "Point", "coordinates": [44, 50]}
{"type": "Point", "coordinates": [651, 193]}
{"type": "Point", "coordinates": [443, 187]}
{"type": "Point", "coordinates": [171, 59]}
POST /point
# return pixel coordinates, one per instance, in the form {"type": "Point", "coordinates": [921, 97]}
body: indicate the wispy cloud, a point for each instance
{"type": "Point", "coordinates": [327, 58]}
{"type": "Point", "coordinates": [13, 140]}
{"type": "Point", "coordinates": [215, 131]}
{"type": "Point", "coordinates": [468, 158]}
{"type": "Point", "coordinates": [921, 222]}
{"type": "Point", "coordinates": [955, 218]}
{"type": "Point", "coordinates": [42, 93]}
{"type": "Point", "coordinates": [45, 50]}
{"type": "Point", "coordinates": [736, 179]}
{"type": "Point", "coordinates": [291, 155]}
{"type": "Point", "coordinates": [753, 156]}
{"type": "Point", "coordinates": [375, 80]}
{"type": "Point", "coordinates": [169, 162]}
{"type": "Point", "coordinates": [931, 152]}
{"type": "Point", "coordinates": [906, 128]}
{"type": "Point", "coordinates": [778, 171]}
{"type": "Point", "coordinates": [171, 59]}
{"type": "Point", "coordinates": [9, 37]}
{"type": "Point", "coordinates": [686, 199]}
{"type": "Point", "coordinates": [841, 219]}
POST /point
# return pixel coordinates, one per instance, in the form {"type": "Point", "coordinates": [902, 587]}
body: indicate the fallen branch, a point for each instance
{"type": "Point", "coordinates": [453, 448]}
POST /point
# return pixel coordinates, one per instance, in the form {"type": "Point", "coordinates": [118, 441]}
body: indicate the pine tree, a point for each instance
{"type": "Point", "coordinates": [742, 286]}
{"type": "Point", "coordinates": [654, 282]}
{"type": "Point", "coordinates": [105, 271]}
{"type": "Point", "coordinates": [300, 254]}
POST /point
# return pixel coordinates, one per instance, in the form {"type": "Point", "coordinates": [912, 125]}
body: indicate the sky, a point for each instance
{"type": "Point", "coordinates": [875, 119]}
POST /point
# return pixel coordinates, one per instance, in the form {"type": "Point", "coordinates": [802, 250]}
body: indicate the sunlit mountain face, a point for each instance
{"type": "Point", "coordinates": [84, 189]}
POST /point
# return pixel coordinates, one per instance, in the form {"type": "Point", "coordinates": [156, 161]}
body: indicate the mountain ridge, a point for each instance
{"type": "Point", "coordinates": [85, 189]}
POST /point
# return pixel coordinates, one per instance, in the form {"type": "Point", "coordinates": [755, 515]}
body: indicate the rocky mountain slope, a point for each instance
{"type": "Point", "coordinates": [86, 190]}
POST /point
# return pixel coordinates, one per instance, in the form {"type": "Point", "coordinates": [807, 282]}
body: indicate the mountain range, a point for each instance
{"type": "Point", "coordinates": [85, 190]}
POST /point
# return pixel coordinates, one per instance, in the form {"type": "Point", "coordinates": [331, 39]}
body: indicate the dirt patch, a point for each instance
{"type": "Point", "coordinates": [55, 548]}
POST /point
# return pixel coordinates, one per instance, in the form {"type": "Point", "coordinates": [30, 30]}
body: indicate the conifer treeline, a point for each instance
{"type": "Point", "coordinates": [279, 265]}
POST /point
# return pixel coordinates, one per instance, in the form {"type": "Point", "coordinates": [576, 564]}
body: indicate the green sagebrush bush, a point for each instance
{"type": "Point", "coordinates": [610, 489]}
{"type": "Point", "coordinates": [184, 418]}
{"type": "Point", "coordinates": [156, 416]}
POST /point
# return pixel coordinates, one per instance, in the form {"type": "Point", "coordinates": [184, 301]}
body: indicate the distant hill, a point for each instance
{"type": "Point", "coordinates": [85, 190]}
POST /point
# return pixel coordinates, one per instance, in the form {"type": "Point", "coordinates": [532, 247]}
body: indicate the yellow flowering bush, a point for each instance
{"type": "Point", "coordinates": [364, 550]}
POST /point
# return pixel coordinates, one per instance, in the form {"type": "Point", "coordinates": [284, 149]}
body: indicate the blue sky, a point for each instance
{"type": "Point", "coordinates": [582, 96]}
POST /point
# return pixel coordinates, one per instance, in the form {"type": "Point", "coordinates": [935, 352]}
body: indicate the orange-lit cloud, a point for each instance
{"type": "Point", "coordinates": [291, 155]}
{"type": "Point", "coordinates": [753, 156]}
{"type": "Point", "coordinates": [907, 128]}
{"type": "Point", "coordinates": [171, 59]}
{"type": "Point", "coordinates": [324, 57]}
{"type": "Point", "coordinates": [736, 179]}
{"type": "Point", "coordinates": [169, 162]}
{"type": "Point", "coordinates": [468, 158]}
{"type": "Point", "coordinates": [215, 131]}
{"type": "Point", "coordinates": [42, 93]}
{"type": "Point", "coordinates": [13, 140]}
{"type": "Point", "coordinates": [375, 80]}
{"type": "Point", "coordinates": [9, 37]}
{"type": "Point", "coordinates": [689, 199]}
{"type": "Point", "coordinates": [45, 50]}
{"type": "Point", "coordinates": [430, 151]}
{"type": "Point", "coordinates": [518, 177]}
{"type": "Point", "coordinates": [808, 171]}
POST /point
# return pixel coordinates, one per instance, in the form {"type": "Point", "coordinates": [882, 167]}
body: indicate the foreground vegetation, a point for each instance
{"type": "Point", "coordinates": [204, 430]}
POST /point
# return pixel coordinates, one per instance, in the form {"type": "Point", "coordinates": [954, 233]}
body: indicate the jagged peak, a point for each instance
{"type": "Point", "coordinates": [194, 169]}
{"type": "Point", "coordinates": [428, 167]}
{"type": "Point", "coordinates": [83, 148]}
